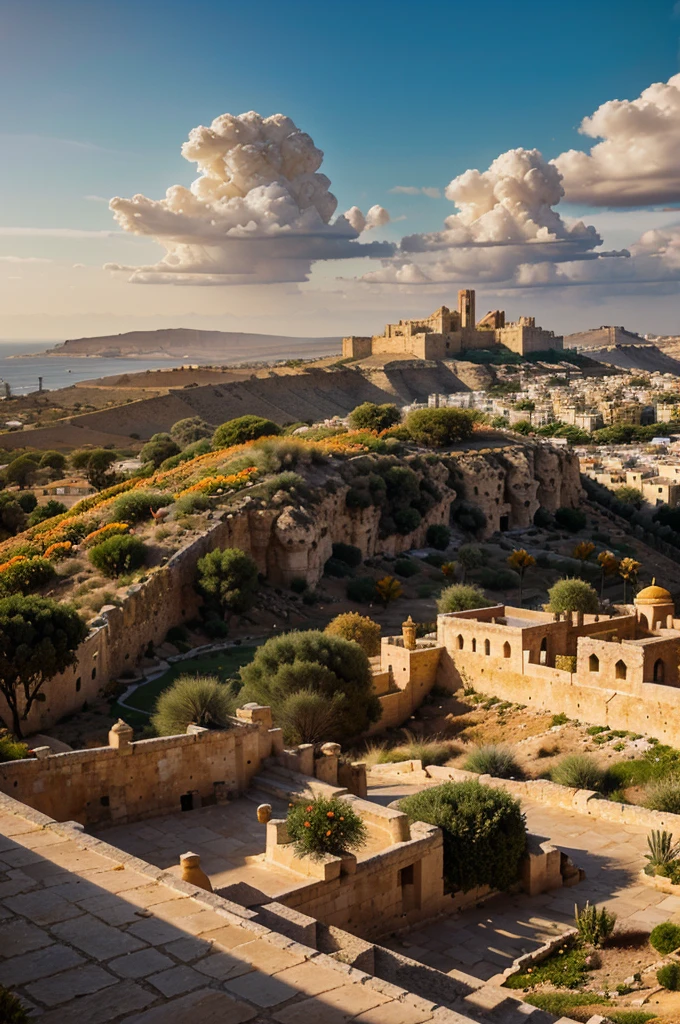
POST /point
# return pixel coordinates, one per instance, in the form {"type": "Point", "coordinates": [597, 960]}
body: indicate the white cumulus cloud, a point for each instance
{"type": "Point", "coordinates": [259, 211]}
{"type": "Point", "coordinates": [638, 160]}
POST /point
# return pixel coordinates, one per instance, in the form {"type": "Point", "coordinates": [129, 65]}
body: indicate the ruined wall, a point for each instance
{"type": "Point", "coordinates": [137, 780]}
{"type": "Point", "coordinates": [404, 680]}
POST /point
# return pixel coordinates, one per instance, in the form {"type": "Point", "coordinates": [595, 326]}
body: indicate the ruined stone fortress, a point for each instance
{"type": "Point", "coordinates": [448, 333]}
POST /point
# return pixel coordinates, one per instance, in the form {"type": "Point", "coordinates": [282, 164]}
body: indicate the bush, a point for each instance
{"type": "Point", "coordinates": [594, 926]}
{"type": "Point", "coordinates": [669, 977]}
{"type": "Point", "coordinates": [118, 555]}
{"type": "Point", "coordinates": [664, 795]}
{"type": "Point", "coordinates": [11, 750]}
{"type": "Point", "coordinates": [158, 449]}
{"type": "Point", "coordinates": [190, 430]}
{"type": "Point", "coordinates": [407, 520]}
{"type": "Point", "coordinates": [53, 460]}
{"type": "Point", "coordinates": [199, 700]}
{"type": "Point", "coordinates": [25, 576]}
{"type": "Point", "coordinates": [22, 470]}
{"type": "Point", "coordinates": [460, 597]}
{"type": "Point", "coordinates": [359, 628]}
{"type": "Point", "coordinates": [320, 662]}
{"type": "Point", "coordinates": [337, 569]}
{"type": "Point", "coordinates": [227, 579]}
{"type": "Point", "coordinates": [189, 504]}
{"type": "Point", "coordinates": [572, 519]}
{"type": "Point", "coordinates": [362, 590]}
{"type": "Point", "coordinates": [573, 596]}
{"type": "Point", "coordinates": [665, 937]}
{"type": "Point", "coordinates": [47, 511]}
{"type": "Point", "coordinates": [134, 506]}
{"type": "Point", "coordinates": [436, 560]}
{"type": "Point", "coordinates": [578, 771]}
{"type": "Point", "coordinates": [484, 832]}
{"type": "Point", "coordinates": [406, 567]}
{"type": "Point", "coordinates": [325, 826]}
{"type": "Point", "coordinates": [438, 536]}
{"type": "Point", "coordinates": [497, 579]}
{"type": "Point", "coordinates": [287, 481]}
{"type": "Point", "coordinates": [12, 1009]}
{"type": "Point", "coordinates": [438, 428]}
{"type": "Point", "coordinates": [243, 428]}
{"type": "Point", "coordinates": [493, 759]}
{"type": "Point", "coordinates": [370, 416]}
{"type": "Point", "coordinates": [27, 501]}
{"type": "Point", "coordinates": [349, 554]}
{"type": "Point", "coordinates": [307, 716]}
{"type": "Point", "coordinates": [429, 751]}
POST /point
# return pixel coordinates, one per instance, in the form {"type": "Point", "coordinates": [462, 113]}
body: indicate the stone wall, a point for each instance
{"type": "Point", "coordinates": [129, 781]}
{"type": "Point", "coordinates": [404, 679]}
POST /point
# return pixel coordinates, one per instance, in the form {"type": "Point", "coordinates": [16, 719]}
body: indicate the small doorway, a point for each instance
{"type": "Point", "coordinates": [504, 524]}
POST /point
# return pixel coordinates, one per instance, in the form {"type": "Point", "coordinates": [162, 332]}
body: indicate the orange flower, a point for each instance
{"type": "Point", "coordinates": [309, 808]}
{"type": "Point", "coordinates": [307, 825]}
{"type": "Point", "coordinates": [331, 814]}
{"type": "Point", "coordinates": [329, 832]}
{"type": "Point", "coordinates": [341, 818]}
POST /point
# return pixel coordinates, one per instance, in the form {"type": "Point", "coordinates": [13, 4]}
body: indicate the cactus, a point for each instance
{"type": "Point", "coordinates": [594, 926]}
{"type": "Point", "coordinates": [662, 850]}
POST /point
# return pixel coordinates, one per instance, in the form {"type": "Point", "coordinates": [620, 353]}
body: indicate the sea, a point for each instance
{"type": "Point", "coordinates": [22, 371]}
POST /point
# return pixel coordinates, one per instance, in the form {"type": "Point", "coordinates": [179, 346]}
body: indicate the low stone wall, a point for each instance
{"type": "Point", "coordinates": [129, 781]}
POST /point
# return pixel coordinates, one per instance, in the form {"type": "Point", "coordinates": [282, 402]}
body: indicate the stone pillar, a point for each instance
{"type": "Point", "coordinates": [120, 737]}
{"type": "Point", "coordinates": [326, 767]}
{"type": "Point", "coordinates": [408, 630]}
{"type": "Point", "coordinates": [193, 873]}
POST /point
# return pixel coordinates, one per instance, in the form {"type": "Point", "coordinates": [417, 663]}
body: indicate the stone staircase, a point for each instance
{"type": "Point", "coordinates": [284, 784]}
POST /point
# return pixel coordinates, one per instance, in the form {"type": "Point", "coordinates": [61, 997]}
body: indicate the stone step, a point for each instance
{"type": "Point", "coordinates": [299, 787]}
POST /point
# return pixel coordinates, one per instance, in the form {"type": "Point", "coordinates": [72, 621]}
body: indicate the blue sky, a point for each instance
{"type": "Point", "coordinates": [102, 95]}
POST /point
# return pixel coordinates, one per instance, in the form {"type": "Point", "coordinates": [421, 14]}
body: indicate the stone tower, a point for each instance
{"type": "Point", "coordinates": [466, 307]}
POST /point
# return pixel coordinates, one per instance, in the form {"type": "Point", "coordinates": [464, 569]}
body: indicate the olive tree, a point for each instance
{"type": "Point", "coordinates": [39, 638]}
{"type": "Point", "coordinates": [227, 579]}
{"type": "Point", "coordinates": [573, 596]}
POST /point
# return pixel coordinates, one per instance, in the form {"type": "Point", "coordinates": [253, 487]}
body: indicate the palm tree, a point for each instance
{"type": "Point", "coordinates": [388, 589]}
{"type": "Point", "coordinates": [628, 570]}
{"type": "Point", "coordinates": [583, 551]}
{"type": "Point", "coordinates": [609, 566]}
{"type": "Point", "coordinates": [520, 560]}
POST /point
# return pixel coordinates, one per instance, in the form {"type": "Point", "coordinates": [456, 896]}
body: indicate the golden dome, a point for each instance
{"type": "Point", "coordinates": [653, 595]}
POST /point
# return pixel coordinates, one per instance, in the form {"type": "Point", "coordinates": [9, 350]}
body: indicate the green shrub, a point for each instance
{"type": "Point", "coordinates": [572, 519]}
{"type": "Point", "coordinates": [227, 579]}
{"type": "Point", "coordinates": [359, 628]}
{"type": "Point", "coordinates": [307, 716]}
{"type": "Point", "coordinates": [349, 554]}
{"type": "Point", "coordinates": [664, 795]}
{"type": "Point", "coordinates": [53, 460]}
{"type": "Point", "coordinates": [325, 826]}
{"type": "Point", "coordinates": [435, 559]}
{"type": "Point", "coordinates": [11, 1009]}
{"type": "Point", "coordinates": [118, 555]}
{"type": "Point", "coordinates": [630, 1016]}
{"type": "Point", "coordinates": [159, 448]}
{"type": "Point", "coordinates": [406, 567]}
{"type": "Point", "coordinates": [662, 850]}
{"type": "Point", "coordinates": [497, 579]}
{"type": "Point", "coordinates": [573, 596]}
{"type": "Point", "coordinates": [669, 977]}
{"type": "Point", "coordinates": [559, 719]}
{"type": "Point", "coordinates": [134, 506]}
{"type": "Point", "coordinates": [594, 926]}
{"type": "Point", "coordinates": [438, 536]}
{"type": "Point", "coordinates": [407, 520]}
{"type": "Point", "coordinates": [362, 590]}
{"type": "Point", "coordinates": [189, 504]}
{"type": "Point", "coordinates": [493, 759]}
{"type": "Point", "coordinates": [24, 577]}
{"type": "Point", "coordinates": [460, 597]}
{"type": "Point", "coordinates": [190, 430]}
{"type": "Point", "coordinates": [336, 568]}
{"type": "Point", "coordinates": [370, 416]}
{"type": "Point", "coordinates": [428, 750]}
{"type": "Point", "coordinates": [11, 750]}
{"type": "Point", "coordinates": [321, 662]}
{"type": "Point", "coordinates": [565, 968]}
{"type": "Point", "coordinates": [198, 700]}
{"type": "Point", "coordinates": [484, 832]}
{"type": "Point", "coordinates": [665, 938]}
{"type": "Point", "coordinates": [578, 771]}
{"type": "Point", "coordinates": [438, 428]}
{"type": "Point", "coordinates": [242, 429]}
{"type": "Point", "coordinates": [47, 511]}
{"type": "Point", "coordinates": [288, 481]}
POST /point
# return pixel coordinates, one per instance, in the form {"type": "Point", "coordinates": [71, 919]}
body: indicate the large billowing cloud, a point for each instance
{"type": "Point", "coordinates": [259, 211]}
{"type": "Point", "coordinates": [638, 160]}
{"type": "Point", "coordinates": [505, 219]}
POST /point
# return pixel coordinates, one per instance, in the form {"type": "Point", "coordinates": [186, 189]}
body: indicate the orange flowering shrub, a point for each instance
{"type": "Point", "coordinates": [325, 826]}
{"type": "Point", "coordinates": [212, 484]}
{"type": "Point", "coordinates": [12, 561]}
{"type": "Point", "coordinates": [110, 530]}
{"type": "Point", "coordinates": [61, 549]}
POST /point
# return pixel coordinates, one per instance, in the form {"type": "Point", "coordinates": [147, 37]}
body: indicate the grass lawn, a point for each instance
{"type": "Point", "coordinates": [223, 664]}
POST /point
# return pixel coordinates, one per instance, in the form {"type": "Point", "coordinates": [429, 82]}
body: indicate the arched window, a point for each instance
{"type": "Point", "coordinates": [474, 645]}
{"type": "Point", "coordinates": [507, 650]}
{"type": "Point", "coordinates": [621, 669]}
{"type": "Point", "coordinates": [659, 671]}
{"type": "Point", "coordinates": [487, 647]}
{"type": "Point", "coordinates": [594, 663]}
{"type": "Point", "coordinates": [543, 652]}
{"type": "Point", "coordinates": [460, 641]}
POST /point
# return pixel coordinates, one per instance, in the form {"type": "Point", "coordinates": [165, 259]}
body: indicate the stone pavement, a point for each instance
{"type": "Point", "coordinates": [91, 935]}
{"type": "Point", "coordinates": [478, 944]}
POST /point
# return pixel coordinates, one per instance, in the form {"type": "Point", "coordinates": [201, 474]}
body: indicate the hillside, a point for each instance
{"type": "Point", "coordinates": [643, 357]}
{"type": "Point", "coordinates": [198, 346]}
{"type": "Point", "coordinates": [602, 337]}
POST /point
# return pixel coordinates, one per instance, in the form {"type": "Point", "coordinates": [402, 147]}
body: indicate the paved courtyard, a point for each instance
{"type": "Point", "coordinates": [477, 944]}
